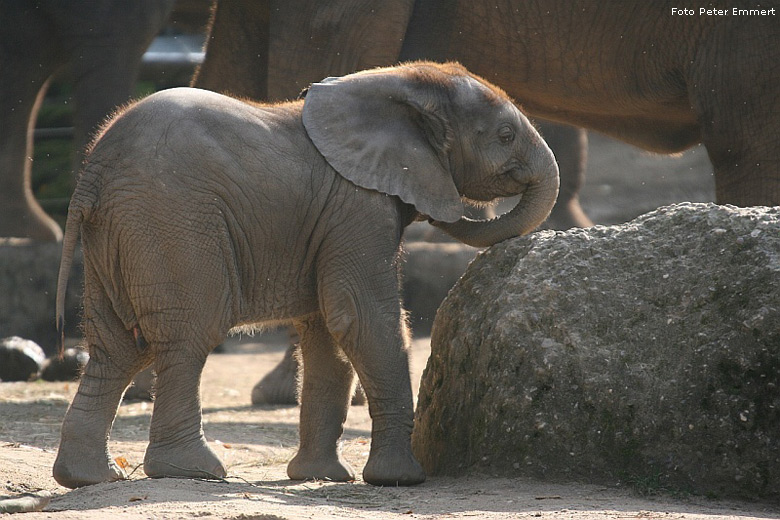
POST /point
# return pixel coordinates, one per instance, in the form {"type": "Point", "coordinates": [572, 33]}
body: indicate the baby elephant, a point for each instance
{"type": "Point", "coordinates": [201, 213]}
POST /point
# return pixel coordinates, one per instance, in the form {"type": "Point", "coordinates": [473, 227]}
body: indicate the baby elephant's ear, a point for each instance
{"type": "Point", "coordinates": [376, 131]}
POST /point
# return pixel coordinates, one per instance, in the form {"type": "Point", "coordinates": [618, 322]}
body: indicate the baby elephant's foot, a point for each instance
{"type": "Point", "coordinates": [192, 460]}
{"type": "Point", "coordinates": [309, 467]}
{"type": "Point", "coordinates": [386, 467]}
{"type": "Point", "coordinates": [76, 468]}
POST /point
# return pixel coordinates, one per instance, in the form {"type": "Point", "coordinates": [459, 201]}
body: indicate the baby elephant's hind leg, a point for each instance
{"type": "Point", "coordinates": [83, 457]}
{"type": "Point", "coordinates": [177, 444]}
{"type": "Point", "coordinates": [184, 309]}
{"type": "Point", "coordinates": [328, 382]}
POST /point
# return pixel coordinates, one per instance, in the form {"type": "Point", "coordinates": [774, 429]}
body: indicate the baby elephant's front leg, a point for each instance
{"type": "Point", "coordinates": [390, 404]}
{"type": "Point", "coordinates": [328, 382]}
{"type": "Point", "coordinates": [369, 327]}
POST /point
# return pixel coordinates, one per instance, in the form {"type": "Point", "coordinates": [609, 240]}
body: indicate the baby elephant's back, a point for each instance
{"type": "Point", "coordinates": [196, 171]}
{"type": "Point", "coordinates": [178, 137]}
{"type": "Point", "coordinates": [187, 146]}
{"type": "Point", "coordinates": [153, 186]}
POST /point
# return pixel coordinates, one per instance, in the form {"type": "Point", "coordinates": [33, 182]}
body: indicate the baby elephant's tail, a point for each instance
{"type": "Point", "coordinates": [80, 207]}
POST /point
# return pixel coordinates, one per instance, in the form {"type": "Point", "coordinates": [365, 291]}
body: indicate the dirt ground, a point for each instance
{"type": "Point", "coordinates": [256, 443]}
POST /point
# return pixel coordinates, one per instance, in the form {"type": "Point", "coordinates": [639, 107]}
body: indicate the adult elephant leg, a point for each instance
{"type": "Point", "coordinates": [747, 170]}
{"type": "Point", "coordinates": [142, 387]}
{"type": "Point", "coordinates": [741, 139]}
{"type": "Point", "coordinates": [236, 60]}
{"type": "Point", "coordinates": [280, 385]}
{"type": "Point", "coordinates": [360, 302]}
{"type": "Point", "coordinates": [20, 98]}
{"type": "Point", "coordinates": [83, 457]}
{"type": "Point", "coordinates": [735, 97]}
{"type": "Point", "coordinates": [570, 146]}
{"type": "Point", "coordinates": [104, 75]}
{"type": "Point", "coordinates": [328, 381]}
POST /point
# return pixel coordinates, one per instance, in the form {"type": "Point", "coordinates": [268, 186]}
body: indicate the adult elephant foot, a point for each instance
{"type": "Point", "coordinates": [310, 466]}
{"type": "Point", "coordinates": [280, 386]}
{"type": "Point", "coordinates": [183, 459]}
{"type": "Point", "coordinates": [76, 467]}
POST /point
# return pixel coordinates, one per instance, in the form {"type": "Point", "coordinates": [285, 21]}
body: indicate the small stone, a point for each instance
{"type": "Point", "coordinates": [20, 359]}
{"type": "Point", "coordinates": [69, 368]}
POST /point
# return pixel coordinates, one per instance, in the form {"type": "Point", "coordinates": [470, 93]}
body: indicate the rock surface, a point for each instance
{"type": "Point", "coordinates": [646, 353]}
{"type": "Point", "coordinates": [28, 282]}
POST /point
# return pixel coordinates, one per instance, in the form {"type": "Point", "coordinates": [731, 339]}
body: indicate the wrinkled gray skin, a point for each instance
{"type": "Point", "coordinates": [631, 70]}
{"type": "Point", "coordinates": [255, 50]}
{"type": "Point", "coordinates": [101, 43]}
{"type": "Point", "coordinates": [200, 213]}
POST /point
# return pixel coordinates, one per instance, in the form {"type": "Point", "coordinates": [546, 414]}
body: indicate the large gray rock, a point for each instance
{"type": "Point", "coordinates": [642, 353]}
{"type": "Point", "coordinates": [28, 288]}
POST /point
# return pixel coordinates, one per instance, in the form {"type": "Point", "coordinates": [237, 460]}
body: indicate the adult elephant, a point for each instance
{"type": "Point", "coordinates": [640, 72]}
{"type": "Point", "coordinates": [663, 75]}
{"type": "Point", "coordinates": [101, 42]}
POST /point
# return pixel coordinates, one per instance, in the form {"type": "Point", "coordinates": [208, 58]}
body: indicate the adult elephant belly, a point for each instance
{"type": "Point", "coordinates": [656, 116]}
{"type": "Point", "coordinates": [661, 128]}
{"type": "Point", "coordinates": [630, 84]}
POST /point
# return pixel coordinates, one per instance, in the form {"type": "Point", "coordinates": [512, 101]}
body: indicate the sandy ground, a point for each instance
{"type": "Point", "coordinates": [256, 443]}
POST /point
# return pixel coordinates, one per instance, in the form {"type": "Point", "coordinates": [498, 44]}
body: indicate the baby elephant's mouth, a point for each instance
{"type": "Point", "coordinates": [514, 180]}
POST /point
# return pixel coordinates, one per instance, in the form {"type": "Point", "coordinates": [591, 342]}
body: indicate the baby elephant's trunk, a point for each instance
{"type": "Point", "coordinates": [532, 209]}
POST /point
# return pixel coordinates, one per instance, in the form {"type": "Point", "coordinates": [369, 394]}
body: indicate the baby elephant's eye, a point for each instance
{"type": "Point", "coordinates": [506, 134]}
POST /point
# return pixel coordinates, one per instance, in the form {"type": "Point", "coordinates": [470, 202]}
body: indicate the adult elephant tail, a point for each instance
{"type": "Point", "coordinates": [541, 190]}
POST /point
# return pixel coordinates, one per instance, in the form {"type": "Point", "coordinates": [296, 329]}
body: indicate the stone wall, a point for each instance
{"type": "Point", "coordinates": [645, 353]}
{"type": "Point", "coordinates": [28, 289]}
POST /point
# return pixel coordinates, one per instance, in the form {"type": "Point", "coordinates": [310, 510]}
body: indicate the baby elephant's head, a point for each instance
{"type": "Point", "coordinates": [434, 135]}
